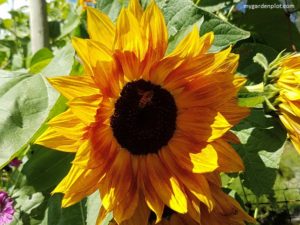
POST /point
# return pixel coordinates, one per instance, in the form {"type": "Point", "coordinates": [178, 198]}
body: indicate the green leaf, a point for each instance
{"type": "Point", "coordinates": [93, 205]}
{"type": "Point", "coordinates": [184, 13]}
{"type": "Point", "coordinates": [75, 215]}
{"type": "Point", "coordinates": [46, 168]}
{"type": "Point", "coordinates": [250, 99]}
{"type": "Point", "coordinates": [61, 64]}
{"type": "Point", "coordinates": [262, 138]}
{"type": "Point", "coordinates": [261, 60]}
{"type": "Point", "coordinates": [41, 55]}
{"type": "Point", "coordinates": [25, 102]}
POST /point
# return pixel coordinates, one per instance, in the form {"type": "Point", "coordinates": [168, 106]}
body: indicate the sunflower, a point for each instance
{"type": "Point", "coordinates": [145, 126]}
{"type": "Point", "coordinates": [289, 96]}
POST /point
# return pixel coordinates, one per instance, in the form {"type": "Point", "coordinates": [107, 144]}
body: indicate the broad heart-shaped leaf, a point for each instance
{"type": "Point", "coordinates": [25, 101]}
{"type": "Point", "coordinates": [180, 15]}
{"type": "Point", "coordinates": [46, 167]}
{"type": "Point", "coordinates": [262, 138]}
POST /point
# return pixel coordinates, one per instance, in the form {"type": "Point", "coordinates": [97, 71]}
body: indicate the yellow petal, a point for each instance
{"type": "Point", "coordinates": [85, 108]}
{"type": "Point", "coordinates": [155, 28]}
{"type": "Point", "coordinates": [117, 182]}
{"type": "Point", "coordinates": [126, 208]}
{"type": "Point", "coordinates": [74, 86]}
{"type": "Point", "coordinates": [135, 8]}
{"type": "Point", "coordinates": [130, 45]}
{"type": "Point", "coordinates": [78, 181]}
{"type": "Point", "coordinates": [81, 47]}
{"type": "Point", "coordinates": [192, 45]}
{"type": "Point", "coordinates": [184, 60]}
{"type": "Point", "coordinates": [195, 183]}
{"type": "Point", "coordinates": [166, 185]}
{"type": "Point", "coordinates": [100, 27]}
{"type": "Point", "coordinates": [72, 198]}
{"type": "Point", "coordinates": [219, 127]}
{"type": "Point", "coordinates": [69, 125]}
{"type": "Point", "coordinates": [52, 139]}
{"type": "Point", "coordinates": [129, 35]}
{"type": "Point", "coordinates": [193, 158]}
{"type": "Point", "coordinates": [152, 199]}
{"type": "Point", "coordinates": [141, 214]}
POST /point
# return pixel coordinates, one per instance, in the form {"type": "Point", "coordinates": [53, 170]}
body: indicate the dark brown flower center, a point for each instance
{"type": "Point", "coordinates": [144, 119]}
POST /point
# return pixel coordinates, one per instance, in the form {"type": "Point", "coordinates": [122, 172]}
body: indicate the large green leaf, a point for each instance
{"type": "Point", "coordinates": [46, 168]}
{"type": "Point", "coordinates": [262, 138]}
{"type": "Point", "coordinates": [25, 102]}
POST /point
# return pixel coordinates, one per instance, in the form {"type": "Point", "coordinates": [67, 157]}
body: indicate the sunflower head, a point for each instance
{"type": "Point", "coordinates": [147, 128]}
{"type": "Point", "coordinates": [288, 83]}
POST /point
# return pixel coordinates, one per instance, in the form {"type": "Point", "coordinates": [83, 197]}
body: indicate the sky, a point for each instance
{"type": "Point", "coordinates": [11, 4]}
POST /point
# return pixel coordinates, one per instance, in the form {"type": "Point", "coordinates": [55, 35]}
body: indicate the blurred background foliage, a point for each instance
{"type": "Point", "coordinates": [270, 186]}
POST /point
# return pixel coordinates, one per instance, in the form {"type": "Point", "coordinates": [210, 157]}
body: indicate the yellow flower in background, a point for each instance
{"type": "Point", "coordinates": [289, 96]}
{"type": "Point", "coordinates": [147, 128]}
